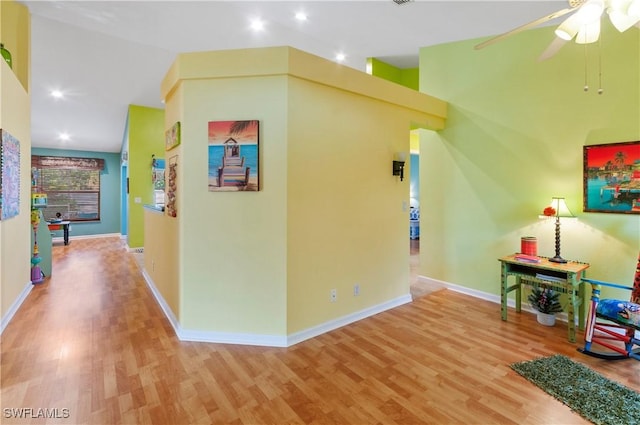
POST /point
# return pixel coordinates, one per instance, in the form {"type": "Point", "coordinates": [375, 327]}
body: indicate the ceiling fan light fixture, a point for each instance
{"type": "Point", "coordinates": [634, 9]}
{"type": "Point", "coordinates": [589, 33]}
{"type": "Point", "coordinates": [590, 11]}
{"type": "Point", "coordinates": [568, 28]}
{"type": "Point", "coordinates": [622, 21]}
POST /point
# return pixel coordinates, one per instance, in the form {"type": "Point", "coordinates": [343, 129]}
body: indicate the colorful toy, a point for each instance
{"type": "Point", "coordinates": [36, 272]}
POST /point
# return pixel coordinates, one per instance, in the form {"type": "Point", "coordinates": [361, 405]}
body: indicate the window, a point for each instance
{"type": "Point", "coordinates": [72, 186]}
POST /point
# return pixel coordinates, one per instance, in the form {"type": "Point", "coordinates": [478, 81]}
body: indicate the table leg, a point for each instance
{"type": "Point", "coordinates": [518, 294]}
{"type": "Point", "coordinates": [66, 234]}
{"type": "Point", "coordinates": [503, 292]}
{"type": "Point", "coordinates": [581, 313]}
{"type": "Point", "coordinates": [571, 317]}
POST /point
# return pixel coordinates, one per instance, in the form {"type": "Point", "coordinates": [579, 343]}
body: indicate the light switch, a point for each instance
{"type": "Point", "coordinates": [137, 200]}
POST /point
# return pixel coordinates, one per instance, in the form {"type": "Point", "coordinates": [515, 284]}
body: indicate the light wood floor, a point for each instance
{"type": "Point", "coordinates": [92, 340]}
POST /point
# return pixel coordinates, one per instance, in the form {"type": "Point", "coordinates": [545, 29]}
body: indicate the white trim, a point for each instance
{"type": "Point", "coordinates": [266, 340]}
{"type": "Point", "coordinates": [345, 320]}
{"type": "Point", "coordinates": [233, 338]}
{"type": "Point", "coordinates": [72, 238]}
{"type": "Point", "coordinates": [15, 306]}
{"type": "Point", "coordinates": [163, 304]}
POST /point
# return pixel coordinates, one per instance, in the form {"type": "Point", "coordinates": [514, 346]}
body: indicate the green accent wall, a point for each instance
{"type": "Point", "coordinates": [145, 128]}
{"type": "Point", "coordinates": [514, 138]}
{"type": "Point", "coordinates": [407, 77]}
{"type": "Point", "coordinates": [109, 192]}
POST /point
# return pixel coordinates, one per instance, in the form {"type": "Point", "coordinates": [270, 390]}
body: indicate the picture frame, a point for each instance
{"type": "Point", "coordinates": [171, 188]}
{"type": "Point", "coordinates": [611, 176]}
{"type": "Point", "coordinates": [172, 137]}
{"type": "Point", "coordinates": [9, 175]}
{"type": "Point", "coordinates": [233, 156]}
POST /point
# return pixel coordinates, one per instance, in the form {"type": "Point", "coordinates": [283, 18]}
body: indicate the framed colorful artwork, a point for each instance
{"type": "Point", "coordinates": [172, 137]}
{"type": "Point", "coordinates": [233, 156]}
{"type": "Point", "coordinates": [9, 176]}
{"type": "Point", "coordinates": [612, 178]}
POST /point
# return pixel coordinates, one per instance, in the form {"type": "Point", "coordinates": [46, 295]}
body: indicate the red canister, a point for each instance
{"type": "Point", "coordinates": [529, 245]}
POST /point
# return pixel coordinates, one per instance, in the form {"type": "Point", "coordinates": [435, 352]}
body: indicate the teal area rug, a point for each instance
{"type": "Point", "coordinates": [596, 398]}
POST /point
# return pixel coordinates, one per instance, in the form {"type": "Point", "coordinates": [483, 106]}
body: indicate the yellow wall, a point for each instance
{"type": "Point", "coordinates": [161, 250]}
{"type": "Point", "coordinates": [327, 216]}
{"type": "Point", "coordinates": [15, 117]}
{"type": "Point", "coordinates": [346, 222]}
{"type": "Point", "coordinates": [15, 34]}
{"type": "Point", "coordinates": [233, 263]}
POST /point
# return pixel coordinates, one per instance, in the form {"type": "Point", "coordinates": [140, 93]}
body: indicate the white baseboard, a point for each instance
{"type": "Point", "coordinates": [266, 340]}
{"type": "Point", "coordinates": [15, 306]}
{"type": "Point", "coordinates": [163, 304]}
{"type": "Point", "coordinates": [487, 296]}
{"type": "Point", "coordinates": [78, 237]}
{"type": "Point", "coordinates": [345, 320]}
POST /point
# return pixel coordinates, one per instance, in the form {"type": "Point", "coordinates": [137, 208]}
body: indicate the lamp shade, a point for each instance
{"type": "Point", "coordinates": [561, 208]}
{"type": "Point", "coordinates": [590, 11]}
{"type": "Point", "coordinates": [568, 28]}
{"type": "Point", "coordinates": [622, 21]}
{"type": "Point", "coordinates": [624, 13]}
{"type": "Point", "coordinates": [634, 9]}
{"type": "Point", "coordinates": [589, 33]}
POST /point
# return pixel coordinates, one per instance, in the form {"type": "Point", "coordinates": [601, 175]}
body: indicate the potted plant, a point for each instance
{"type": "Point", "coordinates": [547, 303]}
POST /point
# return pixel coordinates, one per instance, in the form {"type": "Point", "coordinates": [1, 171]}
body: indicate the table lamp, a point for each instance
{"type": "Point", "coordinates": [557, 209]}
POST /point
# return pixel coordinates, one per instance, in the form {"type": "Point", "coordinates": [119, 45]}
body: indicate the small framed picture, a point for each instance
{"type": "Point", "coordinates": [172, 136]}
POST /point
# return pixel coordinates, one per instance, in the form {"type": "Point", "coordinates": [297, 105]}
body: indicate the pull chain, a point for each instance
{"type": "Point", "coordinates": [600, 90]}
{"type": "Point", "coordinates": [586, 85]}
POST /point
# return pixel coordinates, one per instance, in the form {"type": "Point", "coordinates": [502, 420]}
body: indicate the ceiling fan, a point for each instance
{"type": "Point", "coordinates": [583, 24]}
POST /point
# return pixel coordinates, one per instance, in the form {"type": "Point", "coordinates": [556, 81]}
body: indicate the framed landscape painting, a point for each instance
{"type": "Point", "coordinates": [233, 156]}
{"type": "Point", "coordinates": [612, 178]}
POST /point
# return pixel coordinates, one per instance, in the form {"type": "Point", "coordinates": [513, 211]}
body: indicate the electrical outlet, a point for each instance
{"type": "Point", "coordinates": [356, 289]}
{"type": "Point", "coordinates": [333, 296]}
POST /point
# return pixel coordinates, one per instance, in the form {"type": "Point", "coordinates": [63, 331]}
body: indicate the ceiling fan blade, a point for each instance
{"type": "Point", "coordinates": [525, 27]}
{"type": "Point", "coordinates": [553, 48]}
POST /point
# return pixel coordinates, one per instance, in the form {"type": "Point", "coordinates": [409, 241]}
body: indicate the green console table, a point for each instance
{"type": "Point", "coordinates": [561, 277]}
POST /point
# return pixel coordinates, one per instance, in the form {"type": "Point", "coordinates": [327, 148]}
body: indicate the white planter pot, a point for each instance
{"type": "Point", "coordinates": [546, 319]}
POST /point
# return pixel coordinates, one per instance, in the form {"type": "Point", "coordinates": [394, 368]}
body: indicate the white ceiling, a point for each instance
{"type": "Point", "coordinates": [105, 55]}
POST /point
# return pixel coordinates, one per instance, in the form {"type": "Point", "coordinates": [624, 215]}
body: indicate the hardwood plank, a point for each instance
{"type": "Point", "coordinates": [92, 339]}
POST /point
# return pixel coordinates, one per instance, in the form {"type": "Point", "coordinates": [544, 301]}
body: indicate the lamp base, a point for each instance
{"type": "Point", "coordinates": [557, 259]}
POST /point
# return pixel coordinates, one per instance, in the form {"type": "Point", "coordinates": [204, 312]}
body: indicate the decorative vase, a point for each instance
{"type": "Point", "coordinates": [546, 319]}
{"type": "Point", "coordinates": [6, 55]}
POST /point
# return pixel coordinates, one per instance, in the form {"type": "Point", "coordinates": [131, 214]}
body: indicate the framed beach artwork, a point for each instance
{"type": "Point", "coordinates": [233, 156]}
{"type": "Point", "coordinates": [612, 178]}
{"type": "Point", "coordinates": [172, 137]}
{"type": "Point", "coordinates": [9, 176]}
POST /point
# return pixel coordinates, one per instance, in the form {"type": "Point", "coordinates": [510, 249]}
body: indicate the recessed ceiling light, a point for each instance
{"type": "Point", "coordinates": [340, 57]}
{"type": "Point", "coordinates": [57, 94]}
{"type": "Point", "coordinates": [64, 136]}
{"type": "Point", "coordinates": [301, 16]}
{"type": "Point", "coordinates": [257, 25]}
